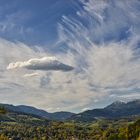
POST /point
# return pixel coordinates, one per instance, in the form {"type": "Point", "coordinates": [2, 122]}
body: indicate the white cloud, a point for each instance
{"type": "Point", "coordinates": [45, 63]}
{"type": "Point", "coordinates": [31, 74]}
{"type": "Point", "coordinates": [85, 109]}
{"type": "Point", "coordinates": [100, 69]}
{"type": "Point", "coordinates": [131, 96]}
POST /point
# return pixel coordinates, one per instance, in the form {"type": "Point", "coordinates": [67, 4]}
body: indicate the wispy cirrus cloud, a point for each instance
{"type": "Point", "coordinates": [105, 54]}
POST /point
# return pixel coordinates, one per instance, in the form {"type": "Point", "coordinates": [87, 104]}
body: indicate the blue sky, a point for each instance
{"type": "Point", "coordinates": [34, 22]}
{"type": "Point", "coordinates": [69, 55]}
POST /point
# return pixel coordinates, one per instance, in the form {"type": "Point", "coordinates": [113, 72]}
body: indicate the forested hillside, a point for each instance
{"type": "Point", "coordinates": [26, 127]}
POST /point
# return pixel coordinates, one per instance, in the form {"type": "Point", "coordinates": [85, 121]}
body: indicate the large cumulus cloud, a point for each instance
{"type": "Point", "coordinates": [45, 63]}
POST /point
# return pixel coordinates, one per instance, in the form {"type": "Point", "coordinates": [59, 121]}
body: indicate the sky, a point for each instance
{"type": "Point", "coordinates": [69, 55]}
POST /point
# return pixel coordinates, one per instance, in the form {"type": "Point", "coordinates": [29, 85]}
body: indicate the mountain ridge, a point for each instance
{"type": "Point", "coordinates": [62, 115]}
{"type": "Point", "coordinates": [116, 109]}
{"type": "Point", "coordinates": [112, 111]}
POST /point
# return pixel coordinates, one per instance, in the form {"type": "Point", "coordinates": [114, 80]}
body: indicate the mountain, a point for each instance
{"type": "Point", "coordinates": [37, 112]}
{"type": "Point", "coordinates": [115, 110]}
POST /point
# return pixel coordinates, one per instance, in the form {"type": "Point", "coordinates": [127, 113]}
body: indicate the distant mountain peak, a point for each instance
{"type": "Point", "coordinates": [117, 109]}
{"type": "Point", "coordinates": [116, 104]}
